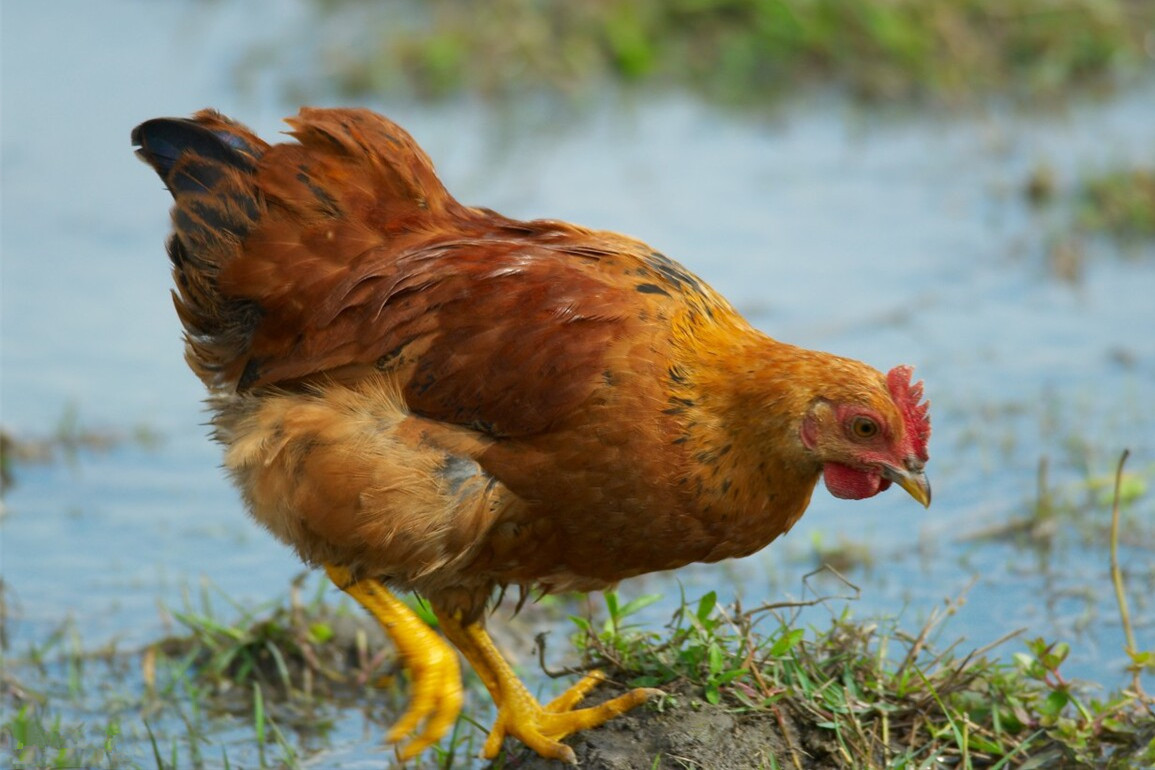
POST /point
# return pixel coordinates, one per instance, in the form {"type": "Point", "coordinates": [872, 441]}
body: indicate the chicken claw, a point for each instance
{"type": "Point", "coordinates": [519, 714]}
{"type": "Point", "coordinates": [433, 668]}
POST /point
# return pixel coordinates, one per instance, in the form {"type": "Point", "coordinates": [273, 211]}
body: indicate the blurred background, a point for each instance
{"type": "Point", "coordinates": [967, 186]}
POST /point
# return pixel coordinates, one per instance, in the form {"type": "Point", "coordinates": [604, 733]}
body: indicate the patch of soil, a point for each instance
{"type": "Point", "coordinates": [687, 732]}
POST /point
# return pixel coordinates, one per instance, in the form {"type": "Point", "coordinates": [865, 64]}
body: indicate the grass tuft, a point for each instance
{"type": "Point", "coordinates": [876, 696]}
{"type": "Point", "coordinates": [265, 688]}
{"type": "Point", "coordinates": [730, 50]}
{"type": "Point", "coordinates": [1120, 203]}
{"type": "Point", "coordinates": [70, 439]}
{"type": "Point", "coordinates": [879, 696]}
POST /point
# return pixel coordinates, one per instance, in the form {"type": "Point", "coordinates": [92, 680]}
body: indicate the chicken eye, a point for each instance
{"type": "Point", "coordinates": [864, 427]}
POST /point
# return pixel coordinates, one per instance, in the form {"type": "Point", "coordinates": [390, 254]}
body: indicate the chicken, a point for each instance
{"type": "Point", "coordinates": [422, 396]}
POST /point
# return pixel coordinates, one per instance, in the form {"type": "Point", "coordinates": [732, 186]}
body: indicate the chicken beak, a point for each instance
{"type": "Point", "coordinates": [914, 481]}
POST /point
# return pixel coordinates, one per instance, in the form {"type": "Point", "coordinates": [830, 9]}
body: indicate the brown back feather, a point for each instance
{"type": "Point", "coordinates": [356, 259]}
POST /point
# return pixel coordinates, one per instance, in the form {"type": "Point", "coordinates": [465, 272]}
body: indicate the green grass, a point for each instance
{"type": "Point", "coordinates": [35, 730]}
{"type": "Point", "coordinates": [1120, 203]}
{"type": "Point", "coordinates": [883, 696]}
{"type": "Point", "coordinates": [36, 740]}
{"type": "Point", "coordinates": [728, 50]}
{"type": "Point", "coordinates": [887, 698]}
{"type": "Point", "coordinates": [1113, 206]}
{"type": "Point", "coordinates": [66, 442]}
{"type": "Point", "coordinates": [269, 687]}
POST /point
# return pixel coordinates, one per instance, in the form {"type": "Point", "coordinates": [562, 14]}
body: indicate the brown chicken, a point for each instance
{"type": "Point", "coordinates": [425, 396]}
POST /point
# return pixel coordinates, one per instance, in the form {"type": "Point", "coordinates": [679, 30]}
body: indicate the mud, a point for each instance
{"type": "Point", "coordinates": [687, 732]}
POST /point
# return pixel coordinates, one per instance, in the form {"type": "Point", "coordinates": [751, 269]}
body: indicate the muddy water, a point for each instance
{"type": "Point", "coordinates": [891, 238]}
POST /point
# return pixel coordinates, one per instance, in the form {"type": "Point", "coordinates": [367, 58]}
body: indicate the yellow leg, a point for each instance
{"type": "Point", "coordinates": [433, 668]}
{"type": "Point", "coordinates": [518, 712]}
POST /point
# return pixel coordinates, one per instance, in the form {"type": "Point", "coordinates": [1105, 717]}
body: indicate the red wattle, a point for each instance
{"type": "Point", "coordinates": [852, 483]}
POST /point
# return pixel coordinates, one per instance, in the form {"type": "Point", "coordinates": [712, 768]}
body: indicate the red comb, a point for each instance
{"type": "Point", "coordinates": [915, 415]}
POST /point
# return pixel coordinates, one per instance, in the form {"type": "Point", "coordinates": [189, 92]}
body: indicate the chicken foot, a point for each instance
{"type": "Point", "coordinates": [433, 668]}
{"type": "Point", "coordinates": [518, 713]}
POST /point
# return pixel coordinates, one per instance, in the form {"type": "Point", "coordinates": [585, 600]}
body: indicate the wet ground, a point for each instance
{"type": "Point", "coordinates": [890, 237]}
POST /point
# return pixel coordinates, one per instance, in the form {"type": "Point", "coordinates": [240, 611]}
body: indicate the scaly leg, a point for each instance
{"type": "Point", "coordinates": [433, 668]}
{"type": "Point", "coordinates": [518, 712]}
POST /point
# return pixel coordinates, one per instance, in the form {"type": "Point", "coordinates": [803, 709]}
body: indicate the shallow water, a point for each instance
{"type": "Point", "coordinates": [890, 238]}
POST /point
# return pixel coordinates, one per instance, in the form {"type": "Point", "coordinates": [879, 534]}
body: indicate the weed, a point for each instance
{"type": "Point", "coordinates": [857, 693]}
{"type": "Point", "coordinates": [732, 50]}
{"type": "Point", "coordinates": [1120, 202]}
{"type": "Point", "coordinates": [299, 648]}
{"type": "Point", "coordinates": [66, 442]}
{"type": "Point", "coordinates": [1116, 206]}
{"type": "Point", "coordinates": [866, 691]}
{"type": "Point", "coordinates": [1141, 660]}
{"type": "Point", "coordinates": [885, 698]}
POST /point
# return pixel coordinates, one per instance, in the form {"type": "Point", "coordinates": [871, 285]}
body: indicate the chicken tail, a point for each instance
{"type": "Point", "coordinates": [208, 163]}
{"type": "Point", "coordinates": [274, 244]}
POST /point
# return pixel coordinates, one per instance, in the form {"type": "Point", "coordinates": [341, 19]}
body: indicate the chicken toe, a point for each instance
{"type": "Point", "coordinates": [519, 714]}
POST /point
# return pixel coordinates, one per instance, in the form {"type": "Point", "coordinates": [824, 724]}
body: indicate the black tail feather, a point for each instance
{"type": "Point", "coordinates": [162, 142]}
{"type": "Point", "coordinates": [210, 165]}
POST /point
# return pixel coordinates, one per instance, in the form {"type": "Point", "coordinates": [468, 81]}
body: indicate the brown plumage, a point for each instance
{"type": "Point", "coordinates": [437, 398]}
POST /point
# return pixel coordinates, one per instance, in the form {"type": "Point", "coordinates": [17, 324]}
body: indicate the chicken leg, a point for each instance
{"type": "Point", "coordinates": [518, 713]}
{"type": "Point", "coordinates": [433, 668]}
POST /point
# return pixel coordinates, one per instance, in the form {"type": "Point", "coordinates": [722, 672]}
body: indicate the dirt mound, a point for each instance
{"type": "Point", "coordinates": [687, 732]}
